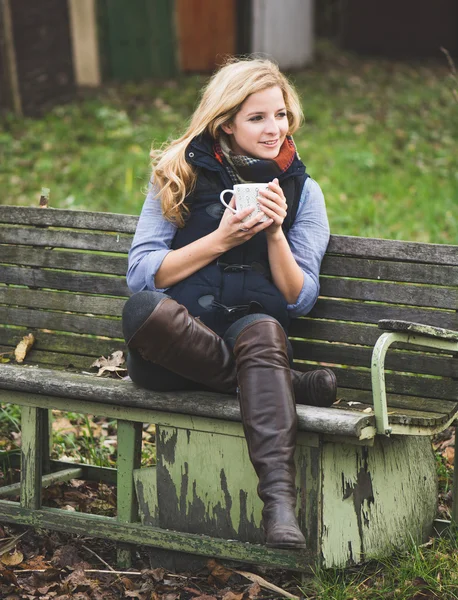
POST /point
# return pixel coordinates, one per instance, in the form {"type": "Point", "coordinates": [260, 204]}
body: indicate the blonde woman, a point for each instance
{"type": "Point", "coordinates": [213, 294]}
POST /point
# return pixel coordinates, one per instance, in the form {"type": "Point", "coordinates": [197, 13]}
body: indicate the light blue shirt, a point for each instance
{"type": "Point", "coordinates": [308, 239]}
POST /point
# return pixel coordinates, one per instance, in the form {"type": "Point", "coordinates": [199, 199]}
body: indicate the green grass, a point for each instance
{"type": "Point", "coordinates": [379, 136]}
{"type": "Point", "coordinates": [425, 572]}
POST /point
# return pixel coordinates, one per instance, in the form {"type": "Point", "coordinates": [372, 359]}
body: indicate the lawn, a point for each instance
{"type": "Point", "coordinates": [379, 136]}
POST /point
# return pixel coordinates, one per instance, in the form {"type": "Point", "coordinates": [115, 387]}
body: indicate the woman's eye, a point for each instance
{"type": "Point", "coordinates": [256, 118]}
{"type": "Point", "coordinates": [281, 115]}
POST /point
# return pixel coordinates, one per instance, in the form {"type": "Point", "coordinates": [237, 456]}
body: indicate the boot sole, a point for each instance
{"type": "Point", "coordinates": [288, 546]}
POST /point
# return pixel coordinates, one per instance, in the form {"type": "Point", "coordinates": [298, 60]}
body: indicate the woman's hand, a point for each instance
{"type": "Point", "coordinates": [233, 231]}
{"type": "Point", "coordinates": [273, 204]}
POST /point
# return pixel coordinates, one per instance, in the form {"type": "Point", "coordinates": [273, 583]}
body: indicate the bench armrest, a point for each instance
{"type": "Point", "coordinates": [419, 329]}
{"type": "Point", "coordinates": [413, 334]}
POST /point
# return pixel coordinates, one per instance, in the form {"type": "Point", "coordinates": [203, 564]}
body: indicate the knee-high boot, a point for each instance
{"type": "Point", "coordinates": [315, 388]}
{"type": "Point", "coordinates": [270, 423]}
{"type": "Point", "coordinates": [169, 336]}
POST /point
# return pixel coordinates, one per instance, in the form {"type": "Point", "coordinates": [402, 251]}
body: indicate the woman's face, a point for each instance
{"type": "Point", "coordinates": [260, 127]}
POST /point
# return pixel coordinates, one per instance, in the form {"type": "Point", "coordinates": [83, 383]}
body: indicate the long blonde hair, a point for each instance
{"type": "Point", "coordinates": [221, 99]}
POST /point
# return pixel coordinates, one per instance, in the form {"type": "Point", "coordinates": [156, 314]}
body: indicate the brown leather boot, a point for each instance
{"type": "Point", "coordinates": [172, 338]}
{"type": "Point", "coordinates": [270, 423]}
{"type": "Point", "coordinates": [315, 388]}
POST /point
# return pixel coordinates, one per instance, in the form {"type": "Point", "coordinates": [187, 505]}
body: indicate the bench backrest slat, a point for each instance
{"type": "Point", "coordinates": [415, 252]}
{"type": "Point", "coordinates": [365, 312]}
{"type": "Point", "coordinates": [75, 303]}
{"type": "Point", "coordinates": [65, 280]}
{"type": "Point", "coordinates": [65, 238]}
{"type": "Point", "coordinates": [380, 270]}
{"type": "Point", "coordinates": [75, 219]}
{"type": "Point", "coordinates": [390, 293]}
{"type": "Point", "coordinates": [65, 259]}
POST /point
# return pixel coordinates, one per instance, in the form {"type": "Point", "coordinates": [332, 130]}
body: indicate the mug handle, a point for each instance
{"type": "Point", "coordinates": [221, 197]}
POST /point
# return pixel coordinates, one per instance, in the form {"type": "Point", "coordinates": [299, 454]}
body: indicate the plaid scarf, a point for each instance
{"type": "Point", "coordinates": [245, 169]}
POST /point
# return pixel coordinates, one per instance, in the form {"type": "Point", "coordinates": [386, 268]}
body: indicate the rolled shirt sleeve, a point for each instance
{"type": "Point", "coordinates": [308, 239]}
{"type": "Point", "coordinates": [151, 244]}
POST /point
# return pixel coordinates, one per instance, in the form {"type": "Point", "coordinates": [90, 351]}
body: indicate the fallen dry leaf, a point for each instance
{"type": "Point", "coordinates": [449, 454]}
{"type": "Point", "coordinates": [266, 584]}
{"type": "Point", "coordinates": [23, 347]}
{"type": "Point", "coordinates": [112, 363]}
{"type": "Point", "coordinates": [12, 559]}
{"type": "Point", "coordinates": [232, 596]}
{"type": "Point", "coordinates": [218, 571]}
{"type": "Point", "coordinates": [114, 360]}
{"type": "Point", "coordinates": [254, 590]}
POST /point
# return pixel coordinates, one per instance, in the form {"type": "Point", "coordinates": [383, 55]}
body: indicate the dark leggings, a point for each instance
{"type": "Point", "coordinates": [154, 377]}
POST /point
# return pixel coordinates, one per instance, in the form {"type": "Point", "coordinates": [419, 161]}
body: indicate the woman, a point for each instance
{"type": "Point", "coordinates": [214, 295]}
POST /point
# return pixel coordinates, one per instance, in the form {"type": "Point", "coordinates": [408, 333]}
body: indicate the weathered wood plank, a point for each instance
{"type": "Point", "coordinates": [146, 489]}
{"type": "Point", "coordinates": [393, 293]}
{"type": "Point", "coordinates": [129, 437]}
{"type": "Point", "coordinates": [345, 310]}
{"type": "Point", "coordinates": [396, 360]}
{"type": "Point", "coordinates": [60, 238]}
{"type": "Point", "coordinates": [61, 301]}
{"type": "Point", "coordinates": [57, 321]}
{"type": "Point", "coordinates": [47, 480]}
{"type": "Point", "coordinates": [59, 360]}
{"type": "Point", "coordinates": [419, 329]}
{"type": "Point", "coordinates": [53, 343]}
{"type": "Point", "coordinates": [88, 472]}
{"type": "Point", "coordinates": [67, 260]}
{"type": "Point", "coordinates": [62, 280]}
{"type": "Point", "coordinates": [396, 383]}
{"type": "Point", "coordinates": [377, 498]}
{"type": "Point", "coordinates": [348, 333]}
{"type": "Point", "coordinates": [27, 215]}
{"type": "Point", "coordinates": [109, 528]}
{"type": "Point", "coordinates": [129, 458]}
{"type": "Point", "coordinates": [417, 252]}
{"type": "Point", "coordinates": [388, 270]}
{"type": "Point", "coordinates": [398, 401]}
{"type": "Point", "coordinates": [37, 384]}
{"type": "Point", "coordinates": [31, 455]}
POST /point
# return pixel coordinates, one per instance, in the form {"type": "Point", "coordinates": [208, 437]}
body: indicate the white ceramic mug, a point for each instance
{"type": "Point", "coordinates": [246, 195]}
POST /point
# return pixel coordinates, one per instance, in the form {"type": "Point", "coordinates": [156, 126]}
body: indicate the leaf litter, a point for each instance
{"type": "Point", "coordinates": [58, 566]}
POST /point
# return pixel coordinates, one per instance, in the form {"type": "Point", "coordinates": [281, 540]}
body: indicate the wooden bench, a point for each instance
{"type": "Point", "coordinates": [366, 475]}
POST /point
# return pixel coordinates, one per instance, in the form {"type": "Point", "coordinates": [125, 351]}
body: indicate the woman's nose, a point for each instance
{"type": "Point", "coordinates": [270, 126]}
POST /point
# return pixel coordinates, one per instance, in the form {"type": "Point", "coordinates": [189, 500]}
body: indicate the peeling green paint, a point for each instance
{"type": "Point", "coordinates": [376, 499]}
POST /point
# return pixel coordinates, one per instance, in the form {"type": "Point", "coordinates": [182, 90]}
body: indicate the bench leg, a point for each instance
{"type": "Point", "coordinates": [455, 487]}
{"type": "Point", "coordinates": [32, 421]}
{"type": "Point", "coordinates": [129, 459]}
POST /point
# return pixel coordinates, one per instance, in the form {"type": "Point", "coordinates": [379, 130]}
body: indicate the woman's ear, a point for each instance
{"type": "Point", "coordinates": [227, 128]}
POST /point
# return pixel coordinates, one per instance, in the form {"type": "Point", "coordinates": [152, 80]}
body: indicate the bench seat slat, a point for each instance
{"type": "Point", "coordinates": [40, 319]}
{"type": "Point", "coordinates": [204, 404]}
{"type": "Point", "coordinates": [392, 293]}
{"type": "Point", "coordinates": [65, 218]}
{"type": "Point", "coordinates": [62, 238]}
{"type": "Point", "coordinates": [364, 312]}
{"type": "Point", "coordinates": [60, 280]}
{"type": "Point", "coordinates": [396, 360]}
{"type": "Point", "coordinates": [67, 260]}
{"type": "Point", "coordinates": [417, 252]}
{"type": "Point", "coordinates": [318, 420]}
{"type": "Point", "coordinates": [63, 301]}
{"type": "Point", "coordinates": [388, 270]}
